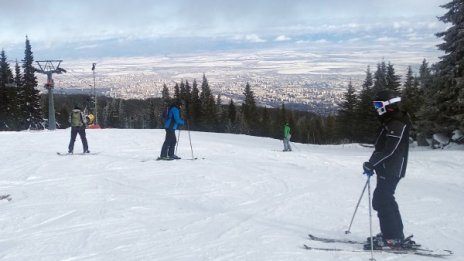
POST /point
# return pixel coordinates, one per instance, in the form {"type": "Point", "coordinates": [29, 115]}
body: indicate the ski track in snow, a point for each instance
{"type": "Point", "coordinates": [246, 200]}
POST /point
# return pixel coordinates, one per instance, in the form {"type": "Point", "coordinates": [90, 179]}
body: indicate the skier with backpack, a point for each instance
{"type": "Point", "coordinates": [171, 124]}
{"type": "Point", "coordinates": [389, 161]}
{"type": "Point", "coordinates": [78, 124]}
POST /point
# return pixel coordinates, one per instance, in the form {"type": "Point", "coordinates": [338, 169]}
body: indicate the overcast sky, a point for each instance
{"type": "Point", "coordinates": [55, 22]}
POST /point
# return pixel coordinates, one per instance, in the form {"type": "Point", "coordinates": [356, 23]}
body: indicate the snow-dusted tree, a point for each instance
{"type": "Point", "coordinates": [6, 101]}
{"type": "Point", "coordinates": [411, 97]}
{"type": "Point", "coordinates": [31, 111]}
{"type": "Point", "coordinates": [392, 79]}
{"type": "Point", "coordinates": [443, 107]}
{"type": "Point", "coordinates": [380, 77]}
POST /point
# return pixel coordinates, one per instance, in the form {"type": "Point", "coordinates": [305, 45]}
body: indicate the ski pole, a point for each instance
{"type": "Point", "coordinates": [293, 145]}
{"type": "Point", "coordinates": [190, 139]}
{"type": "Point", "coordinates": [177, 144]}
{"type": "Point", "coordinates": [356, 209]}
{"type": "Point", "coordinates": [370, 218]}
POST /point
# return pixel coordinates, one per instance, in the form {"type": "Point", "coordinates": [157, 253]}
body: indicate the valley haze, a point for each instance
{"type": "Point", "coordinates": [313, 78]}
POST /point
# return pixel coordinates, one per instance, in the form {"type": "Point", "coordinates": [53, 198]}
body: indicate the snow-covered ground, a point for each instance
{"type": "Point", "coordinates": [243, 199]}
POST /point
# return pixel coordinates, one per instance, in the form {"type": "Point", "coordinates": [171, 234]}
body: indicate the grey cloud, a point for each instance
{"type": "Point", "coordinates": [53, 21]}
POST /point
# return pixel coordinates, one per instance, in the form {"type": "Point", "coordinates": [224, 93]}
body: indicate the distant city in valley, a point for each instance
{"type": "Point", "coordinates": [300, 79]}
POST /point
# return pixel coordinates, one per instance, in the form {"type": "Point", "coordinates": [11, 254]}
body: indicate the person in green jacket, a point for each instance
{"type": "Point", "coordinates": [287, 136]}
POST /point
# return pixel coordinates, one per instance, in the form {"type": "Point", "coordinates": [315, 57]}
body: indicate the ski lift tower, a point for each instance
{"type": "Point", "coordinates": [48, 67]}
{"type": "Point", "coordinates": [95, 94]}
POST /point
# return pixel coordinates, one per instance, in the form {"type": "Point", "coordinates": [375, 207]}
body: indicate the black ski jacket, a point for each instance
{"type": "Point", "coordinates": [390, 156]}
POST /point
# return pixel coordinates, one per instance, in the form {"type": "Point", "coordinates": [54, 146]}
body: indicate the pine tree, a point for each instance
{"type": "Point", "coordinates": [196, 106]}
{"type": "Point", "coordinates": [232, 112]}
{"type": "Point", "coordinates": [208, 106]}
{"type": "Point", "coordinates": [6, 75]}
{"type": "Point", "coordinates": [122, 115]}
{"type": "Point", "coordinates": [450, 70]}
{"type": "Point", "coordinates": [220, 115]}
{"type": "Point", "coordinates": [411, 97]}
{"type": "Point", "coordinates": [187, 98]}
{"type": "Point", "coordinates": [393, 81]}
{"type": "Point", "coordinates": [366, 120]}
{"type": "Point", "coordinates": [443, 107]}
{"type": "Point", "coordinates": [249, 104]}
{"type": "Point", "coordinates": [107, 115]}
{"type": "Point", "coordinates": [17, 98]}
{"type": "Point", "coordinates": [380, 77]}
{"type": "Point", "coordinates": [177, 96]}
{"type": "Point", "coordinates": [265, 123]}
{"type": "Point", "coordinates": [165, 96]}
{"type": "Point", "coordinates": [425, 76]}
{"type": "Point", "coordinates": [183, 91]}
{"type": "Point", "coordinates": [347, 114]}
{"type": "Point", "coordinates": [188, 90]}
{"type": "Point", "coordinates": [31, 110]}
{"type": "Point", "coordinates": [6, 105]}
{"type": "Point", "coordinates": [154, 114]}
{"type": "Point", "coordinates": [231, 125]}
{"type": "Point", "coordinates": [281, 119]}
{"type": "Point", "coordinates": [249, 108]}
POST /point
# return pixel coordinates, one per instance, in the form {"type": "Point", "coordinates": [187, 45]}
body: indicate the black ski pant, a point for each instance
{"type": "Point", "coordinates": [74, 132]}
{"type": "Point", "coordinates": [169, 143]}
{"type": "Point", "coordinates": [387, 209]}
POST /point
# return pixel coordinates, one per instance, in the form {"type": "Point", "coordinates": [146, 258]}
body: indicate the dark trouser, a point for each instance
{"type": "Point", "coordinates": [74, 132]}
{"type": "Point", "coordinates": [384, 202]}
{"type": "Point", "coordinates": [169, 143]}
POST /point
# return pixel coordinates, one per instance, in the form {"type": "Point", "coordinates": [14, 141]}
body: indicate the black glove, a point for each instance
{"type": "Point", "coordinates": [368, 168]}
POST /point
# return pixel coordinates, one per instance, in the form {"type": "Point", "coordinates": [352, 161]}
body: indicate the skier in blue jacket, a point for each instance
{"type": "Point", "coordinates": [173, 122]}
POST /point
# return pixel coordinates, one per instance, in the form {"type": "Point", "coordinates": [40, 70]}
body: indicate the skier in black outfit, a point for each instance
{"type": "Point", "coordinates": [389, 160]}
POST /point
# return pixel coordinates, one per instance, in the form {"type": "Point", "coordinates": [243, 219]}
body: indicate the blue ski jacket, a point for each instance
{"type": "Point", "coordinates": [174, 120]}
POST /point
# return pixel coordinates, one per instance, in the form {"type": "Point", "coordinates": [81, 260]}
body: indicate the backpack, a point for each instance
{"type": "Point", "coordinates": [76, 118]}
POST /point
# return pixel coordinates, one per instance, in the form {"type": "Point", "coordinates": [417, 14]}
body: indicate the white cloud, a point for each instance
{"type": "Point", "coordinates": [252, 38]}
{"type": "Point", "coordinates": [282, 38]}
{"type": "Point", "coordinates": [321, 41]}
{"type": "Point", "coordinates": [385, 39]}
{"type": "Point", "coordinates": [88, 46]}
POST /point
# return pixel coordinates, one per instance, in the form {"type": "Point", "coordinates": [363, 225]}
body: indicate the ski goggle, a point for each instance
{"type": "Point", "coordinates": [380, 106]}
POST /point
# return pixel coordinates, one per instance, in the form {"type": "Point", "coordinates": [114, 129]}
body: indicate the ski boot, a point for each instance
{"type": "Point", "coordinates": [378, 242]}
{"type": "Point", "coordinates": [408, 243]}
{"type": "Point", "coordinates": [164, 158]}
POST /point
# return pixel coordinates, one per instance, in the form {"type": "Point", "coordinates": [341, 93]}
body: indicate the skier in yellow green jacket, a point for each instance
{"type": "Point", "coordinates": [287, 136]}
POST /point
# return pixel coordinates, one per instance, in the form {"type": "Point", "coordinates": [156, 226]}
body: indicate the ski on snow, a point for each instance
{"type": "Point", "coordinates": [412, 251]}
{"type": "Point", "coordinates": [420, 252]}
{"type": "Point", "coordinates": [77, 154]}
{"type": "Point", "coordinates": [158, 159]}
{"type": "Point", "coordinates": [7, 197]}
{"type": "Point", "coordinates": [335, 240]}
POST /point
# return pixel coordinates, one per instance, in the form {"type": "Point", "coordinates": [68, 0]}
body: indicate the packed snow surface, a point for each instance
{"type": "Point", "coordinates": [242, 199]}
